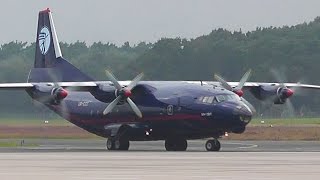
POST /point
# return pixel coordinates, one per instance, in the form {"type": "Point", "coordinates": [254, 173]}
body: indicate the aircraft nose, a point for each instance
{"type": "Point", "coordinates": [243, 112]}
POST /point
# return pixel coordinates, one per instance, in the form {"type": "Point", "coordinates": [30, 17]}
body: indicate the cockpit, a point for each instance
{"type": "Point", "coordinates": [218, 98]}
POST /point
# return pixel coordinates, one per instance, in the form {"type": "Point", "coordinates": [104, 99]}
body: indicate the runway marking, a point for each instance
{"type": "Point", "coordinates": [244, 145]}
{"type": "Point", "coordinates": [248, 147]}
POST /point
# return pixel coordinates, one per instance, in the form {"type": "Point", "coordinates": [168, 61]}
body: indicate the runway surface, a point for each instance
{"type": "Point", "coordinates": [88, 159]}
{"type": "Point", "coordinates": [96, 145]}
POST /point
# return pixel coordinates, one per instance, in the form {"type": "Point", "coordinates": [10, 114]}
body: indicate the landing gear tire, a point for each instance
{"type": "Point", "coordinates": [176, 144]}
{"type": "Point", "coordinates": [213, 145]}
{"type": "Point", "coordinates": [110, 144]}
{"type": "Point", "coordinates": [118, 144]}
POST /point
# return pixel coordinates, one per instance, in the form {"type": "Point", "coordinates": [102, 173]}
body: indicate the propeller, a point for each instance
{"type": "Point", "coordinates": [60, 93]}
{"type": "Point", "coordinates": [238, 89]}
{"type": "Point", "coordinates": [284, 93]}
{"type": "Point", "coordinates": [123, 94]}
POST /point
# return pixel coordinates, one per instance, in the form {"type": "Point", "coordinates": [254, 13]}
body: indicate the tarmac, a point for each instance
{"type": "Point", "coordinates": [88, 159]}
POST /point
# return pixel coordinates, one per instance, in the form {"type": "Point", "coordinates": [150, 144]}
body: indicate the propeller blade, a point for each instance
{"type": "Point", "coordinates": [290, 108]}
{"type": "Point", "coordinates": [64, 109]}
{"type": "Point", "coordinates": [243, 80]}
{"type": "Point", "coordinates": [297, 89]}
{"type": "Point", "coordinates": [223, 82]}
{"type": "Point", "coordinates": [111, 105]}
{"type": "Point", "coordinates": [44, 99]}
{"type": "Point", "coordinates": [279, 77]}
{"type": "Point", "coordinates": [113, 80]}
{"type": "Point", "coordinates": [125, 93]}
{"type": "Point", "coordinates": [135, 81]}
{"type": "Point", "coordinates": [134, 107]}
{"type": "Point", "coordinates": [253, 110]}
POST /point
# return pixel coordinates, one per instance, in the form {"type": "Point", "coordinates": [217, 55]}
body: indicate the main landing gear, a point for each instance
{"type": "Point", "coordinates": [118, 144]}
{"type": "Point", "coordinates": [176, 144]}
{"type": "Point", "coordinates": [213, 145]}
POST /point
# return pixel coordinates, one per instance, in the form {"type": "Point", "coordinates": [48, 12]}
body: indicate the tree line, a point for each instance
{"type": "Point", "coordinates": [293, 52]}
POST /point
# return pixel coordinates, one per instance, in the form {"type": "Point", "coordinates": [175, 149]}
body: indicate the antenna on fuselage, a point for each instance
{"type": "Point", "coordinates": [201, 83]}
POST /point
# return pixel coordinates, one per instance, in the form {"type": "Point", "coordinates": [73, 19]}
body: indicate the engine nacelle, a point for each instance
{"type": "Point", "coordinates": [278, 93]}
{"type": "Point", "coordinates": [49, 94]}
{"type": "Point", "coordinates": [104, 93]}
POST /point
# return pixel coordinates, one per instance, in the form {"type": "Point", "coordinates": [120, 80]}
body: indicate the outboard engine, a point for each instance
{"type": "Point", "coordinates": [49, 94]}
{"type": "Point", "coordinates": [283, 93]}
{"type": "Point", "coordinates": [277, 92]}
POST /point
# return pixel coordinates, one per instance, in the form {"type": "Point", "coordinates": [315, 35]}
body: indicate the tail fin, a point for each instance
{"type": "Point", "coordinates": [49, 65]}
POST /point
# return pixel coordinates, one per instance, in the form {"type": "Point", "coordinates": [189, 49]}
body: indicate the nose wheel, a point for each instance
{"type": "Point", "coordinates": [213, 145]}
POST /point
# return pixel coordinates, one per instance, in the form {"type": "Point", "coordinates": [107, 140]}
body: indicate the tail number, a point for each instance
{"type": "Point", "coordinates": [83, 103]}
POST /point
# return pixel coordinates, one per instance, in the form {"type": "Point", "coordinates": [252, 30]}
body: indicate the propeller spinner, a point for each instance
{"type": "Point", "coordinates": [123, 93]}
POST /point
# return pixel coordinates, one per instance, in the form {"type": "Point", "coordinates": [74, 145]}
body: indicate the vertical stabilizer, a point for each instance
{"type": "Point", "coordinates": [49, 65]}
{"type": "Point", "coordinates": [47, 44]}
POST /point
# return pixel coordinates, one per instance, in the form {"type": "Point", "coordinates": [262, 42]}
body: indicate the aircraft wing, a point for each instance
{"type": "Point", "coordinates": [22, 86]}
{"type": "Point", "coordinates": [289, 85]}
{"type": "Point", "coordinates": [86, 85]}
{"type": "Point", "coordinates": [18, 86]}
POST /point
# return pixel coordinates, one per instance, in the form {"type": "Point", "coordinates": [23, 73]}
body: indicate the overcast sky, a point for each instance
{"type": "Point", "coordinates": [118, 21]}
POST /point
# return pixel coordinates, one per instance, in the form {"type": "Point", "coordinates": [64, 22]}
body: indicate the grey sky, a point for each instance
{"type": "Point", "coordinates": [148, 20]}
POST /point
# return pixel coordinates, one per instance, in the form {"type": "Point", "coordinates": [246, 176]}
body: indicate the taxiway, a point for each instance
{"type": "Point", "coordinates": [88, 159]}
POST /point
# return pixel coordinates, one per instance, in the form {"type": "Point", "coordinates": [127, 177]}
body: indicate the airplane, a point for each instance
{"type": "Point", "coordinates": [124, 111]}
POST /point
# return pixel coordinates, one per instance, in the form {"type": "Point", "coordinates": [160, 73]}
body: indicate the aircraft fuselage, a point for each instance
{"type": "Point", "coordinates": [169, 108]}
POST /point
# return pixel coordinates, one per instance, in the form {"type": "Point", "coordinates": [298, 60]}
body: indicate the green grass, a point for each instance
{"type": "Point", "coordinates": [289, 121]}
{"type": "Point", "coordinates": [15, 143]}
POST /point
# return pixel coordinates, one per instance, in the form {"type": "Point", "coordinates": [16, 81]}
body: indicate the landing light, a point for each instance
{"type": "Point", "coordinates": [226, 134]}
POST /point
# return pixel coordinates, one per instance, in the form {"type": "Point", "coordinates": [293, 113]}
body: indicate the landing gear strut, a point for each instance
{"type": "Point", "coordinates": [178, 144]}
{"type": "Point", "coordinates": [118, 144]}
{"type": "Point", "coordinates": [213, 145]}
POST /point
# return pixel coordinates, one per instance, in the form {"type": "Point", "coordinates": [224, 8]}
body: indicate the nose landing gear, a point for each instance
{"type": "Point", "coordinates": [213, 145]}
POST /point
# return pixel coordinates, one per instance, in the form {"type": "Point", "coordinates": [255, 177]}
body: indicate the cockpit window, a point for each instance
{"type": "Point", "coordinates": [218, 98]}
{"type": "Point", "coordinates": [221, 98]}
{"type": "Point", "coordinates": [227, 97]}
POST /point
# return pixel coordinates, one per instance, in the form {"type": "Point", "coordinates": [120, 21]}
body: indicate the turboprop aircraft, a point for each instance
{"type": "Point", "coordinates": [124, 111]}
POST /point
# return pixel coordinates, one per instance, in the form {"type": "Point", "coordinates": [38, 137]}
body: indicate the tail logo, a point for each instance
{"type": "Point", "coordinates": [44, 40]}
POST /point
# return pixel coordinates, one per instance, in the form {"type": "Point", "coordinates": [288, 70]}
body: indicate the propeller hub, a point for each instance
{"type": "Point", "coordinates": [239, 92]}
{"type": "Point", "coordinates": [62, 93]}
{"type": "Point", "coordinates": [127, 93]}
{"type": "Point", "coordinates": [123, 94]}
{"type": "Point", "coordinates": [288, 92]}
